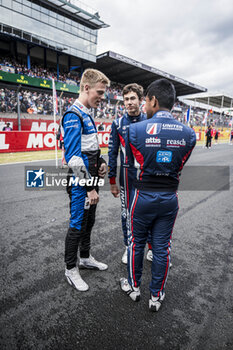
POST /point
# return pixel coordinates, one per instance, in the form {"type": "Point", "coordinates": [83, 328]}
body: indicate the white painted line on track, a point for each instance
{"type": "Point", "coordinates": [28, 161]}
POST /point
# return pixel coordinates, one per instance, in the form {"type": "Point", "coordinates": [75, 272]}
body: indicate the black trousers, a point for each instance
{"type": "Point", "coordinates": [80, 238]}
{"type": "Point", "coordinates": [208, 142]}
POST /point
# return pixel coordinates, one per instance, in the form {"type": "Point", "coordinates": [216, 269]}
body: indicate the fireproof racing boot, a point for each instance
{"type": "Point", "coordinates": [155, 302]}
{"type": "Point", "coordinates": [125, 256]}
{"type": "Point", "coordinates": [132, 292]}
{"type": "Point", "coordinates": [74, 279]}
{"type": "Point", "coordinates": [92, 264]}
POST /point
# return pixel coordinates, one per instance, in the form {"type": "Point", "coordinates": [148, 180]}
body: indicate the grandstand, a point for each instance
{"type": "Point", "coordinates": [126, 70]}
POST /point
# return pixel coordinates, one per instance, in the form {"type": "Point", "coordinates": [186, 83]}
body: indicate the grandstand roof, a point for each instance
{"type": "Point", "coordinates": [215, 100]}
{"type": "Point", "coordinates": [86, 15]}
{"type": "Point", "coordinates": [124, 70]}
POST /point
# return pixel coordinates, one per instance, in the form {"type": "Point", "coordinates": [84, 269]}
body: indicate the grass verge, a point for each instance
{"type": "Point", "coordinates": [6, 158]}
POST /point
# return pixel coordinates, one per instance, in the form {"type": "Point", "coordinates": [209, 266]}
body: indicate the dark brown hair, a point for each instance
{"type": "Point", "coordinates": [135, 88]}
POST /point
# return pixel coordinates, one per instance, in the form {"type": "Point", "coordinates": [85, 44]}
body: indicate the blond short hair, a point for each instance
{"type": "Point", "coordinates": [93, 76]}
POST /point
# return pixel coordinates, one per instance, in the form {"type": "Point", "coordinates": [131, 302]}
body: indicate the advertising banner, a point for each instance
{"type": "Point", "coordinates": [22, 141]}
{"type": "Point", "coordinates": [37, 82]}
{"type": "Point", "coordinates": [41, 124]}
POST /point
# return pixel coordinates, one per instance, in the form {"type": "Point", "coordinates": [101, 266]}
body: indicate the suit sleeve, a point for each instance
{"type": "Point", "coordinates": [129, 145]}
{"type": "Point", "coordinates": [192, 143]}
{"type": "Point", "coordinates": [72, 142]}
{"type": "Point", "coordinates": [113, 149]}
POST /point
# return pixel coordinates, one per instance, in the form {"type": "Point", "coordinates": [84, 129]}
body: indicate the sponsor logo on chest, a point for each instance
{"type": "Point", "coordinates": [152, 142]}
{"type": "Point", "coordinates": [176, 143]}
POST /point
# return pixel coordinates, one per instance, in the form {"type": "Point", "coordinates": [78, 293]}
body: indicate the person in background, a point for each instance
{"type": "Point", "coordinates": [208, 137]}
{"type": "Point", "coordinates": [101, 127]}
{"type": "Point", "coordinates": [216, 136]}
{"type": "Point", "coordinates": [7, 127]}
{"type": "Point", "coordinates": [158, 147]}
{"type": "Point", "coordinates": [231, 138]}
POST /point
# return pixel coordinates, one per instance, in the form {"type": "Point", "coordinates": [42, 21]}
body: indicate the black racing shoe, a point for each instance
{"type": "Point", "coordinates": [132, 292]}
{"type": "Point", "coordinates": [156, 302]}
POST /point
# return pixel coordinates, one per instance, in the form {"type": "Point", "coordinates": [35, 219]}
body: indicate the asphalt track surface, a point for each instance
{"type": "Point", "coordinates": [39, 310]}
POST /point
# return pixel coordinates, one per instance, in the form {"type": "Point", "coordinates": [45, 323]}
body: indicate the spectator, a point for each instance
{"type": "Point", "coordinates": [208, 137]}
{"type": "Point", "coordinates": [101, 127]}
{"type": "Point", "coordinates": [7, 127]}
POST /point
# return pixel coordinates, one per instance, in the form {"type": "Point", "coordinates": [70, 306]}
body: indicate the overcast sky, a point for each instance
{"type": "Point", "coordinates": [190, 39]}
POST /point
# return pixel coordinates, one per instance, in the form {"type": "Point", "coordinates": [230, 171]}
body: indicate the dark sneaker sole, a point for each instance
{"type": "Point", "coordinates": [137, 298]}
{"type": "Point", "coordinates": [154, 309]}
{"type": "Point", "coordinates": [83, 267]}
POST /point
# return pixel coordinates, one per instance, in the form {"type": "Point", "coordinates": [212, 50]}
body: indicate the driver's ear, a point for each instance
{"type": "Point", "coordinates": [86, 87]}
{"type": "Point", "coordinates": [154, 101]}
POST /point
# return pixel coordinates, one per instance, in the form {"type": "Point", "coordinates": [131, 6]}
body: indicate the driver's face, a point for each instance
{"type": "Point", "coordinates": [132, 103]}
{"type": "Point", "coordinates": [95, 95]}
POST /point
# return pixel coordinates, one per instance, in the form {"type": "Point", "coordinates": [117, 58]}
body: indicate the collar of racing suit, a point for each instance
{"type": "Point", "coordinates": [133, 118]}
{"type": "Point", "coordinates": [163, 114]}
{"type": "Point", "coordinates": [83, 108]}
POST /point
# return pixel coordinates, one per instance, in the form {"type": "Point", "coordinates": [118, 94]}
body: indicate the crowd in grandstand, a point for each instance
{"type": "Point", "coordinates": [36, 71]}
{"type": "Point", "coordinates": [10, 65]}
{"type": "Point", "coordinates": [110, 111]}
{"type": "Point", "coordinates": [41, 103]}
{"type": "Point", "coordinates": [31, 102]}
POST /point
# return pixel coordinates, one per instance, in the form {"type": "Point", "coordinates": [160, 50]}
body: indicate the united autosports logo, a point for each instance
{"type": "Point", "coordinates": [35, 178]}
{"type": "Point", "coordinates": [153, 128]}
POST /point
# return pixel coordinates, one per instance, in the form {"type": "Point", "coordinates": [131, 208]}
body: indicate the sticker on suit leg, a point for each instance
{"type": "Point", "coordinates": [87, 203]}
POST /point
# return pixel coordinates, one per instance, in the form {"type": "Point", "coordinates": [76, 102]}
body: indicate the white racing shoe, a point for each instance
{"type": "Point", "coordinates": [149, 255]}
{"type": "Point", "coordinates": [124, 258]}
{"type": "Point", "coordinates": [156, 302]}
{"type": "Point", "coordinates": [132, 292]}
{"type": "Point", "coordinates": [74, 279]}
{"type": "Point", "coordinates": [92, 264]}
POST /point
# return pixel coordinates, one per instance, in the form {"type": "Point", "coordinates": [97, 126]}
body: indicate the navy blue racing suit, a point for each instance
{"type": "Point", "coordinates": [82, 155]}
{"type": "Point", "coordinates": [116, 141]}
{"type": "Point", "coordinates": [158, 148]}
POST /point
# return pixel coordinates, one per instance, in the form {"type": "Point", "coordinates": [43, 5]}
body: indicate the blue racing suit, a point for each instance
{"type": "Point", "coordinates": [116, 141]}
{"type": "Point", "coordinates": [158, 148]}
{"type": "Point", "coordinates": [82, 155]}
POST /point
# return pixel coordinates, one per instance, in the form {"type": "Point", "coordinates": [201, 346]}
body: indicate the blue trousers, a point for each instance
{"type": "Point", "coordinates": [153, 212]}
{"type": "Point", "coordinates": [124, 196]}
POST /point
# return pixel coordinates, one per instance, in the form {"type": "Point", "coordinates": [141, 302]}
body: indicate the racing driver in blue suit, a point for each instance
{"type": "Point", "coordinates": [132, 95]}
{"type": "Point", "coordinates": [82, 155]}
{"type": "Point", "coordinates": [158, 147]}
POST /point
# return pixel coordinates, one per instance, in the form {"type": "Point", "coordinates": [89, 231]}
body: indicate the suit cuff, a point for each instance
{"type": "Point", "coordinates": [112, 180]}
